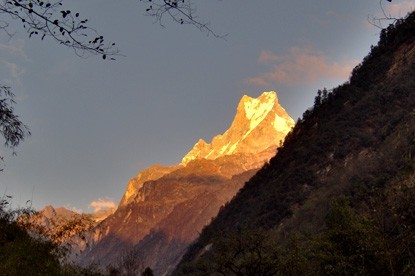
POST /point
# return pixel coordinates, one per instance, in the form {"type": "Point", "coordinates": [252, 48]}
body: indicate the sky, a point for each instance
{"type": "Point", "coordinates": [96, 124]}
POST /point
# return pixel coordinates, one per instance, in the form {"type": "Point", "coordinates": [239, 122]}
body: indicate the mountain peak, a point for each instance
{"type": "Point", "coordinates": [256, 108]}
{"type": "Point", "coordinates": [163, 205]}
{"type": "Point", "coordinates": [259, 123]}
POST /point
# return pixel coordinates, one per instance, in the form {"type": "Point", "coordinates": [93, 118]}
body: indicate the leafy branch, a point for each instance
{"type": "Point", "coordinates": [50, 19]}
{"type": "Point", "coordinates": [12, 129]}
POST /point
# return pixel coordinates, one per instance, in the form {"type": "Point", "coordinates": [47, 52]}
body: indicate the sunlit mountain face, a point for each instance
{"type": "Point", "coordinates": [260, 124]}
{"type": "Point", "coordinates": [164, 208]}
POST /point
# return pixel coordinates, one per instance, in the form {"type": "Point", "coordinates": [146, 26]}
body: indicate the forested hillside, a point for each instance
{"type": "Point", "coordinates": [338, 198]}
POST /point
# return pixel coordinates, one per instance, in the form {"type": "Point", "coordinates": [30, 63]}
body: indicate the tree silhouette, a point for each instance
{"type": "Point", "coordinates": [180, 11]}
{"type": "Point", "coordinates": [11, 128]}
{"type": "Point", "coordinates": [147, 272]}
{"type": "Point", "coordinates": [44, 18]}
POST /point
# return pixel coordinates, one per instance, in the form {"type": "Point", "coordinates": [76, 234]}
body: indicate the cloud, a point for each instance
{"type": "Point", "coordinates": [74, 209]}
{"type": "Point", "coordinates": [14, 47]}
{"type": "Point", "coordinates": [300, 66]}
{"type": "Point", "coordinates": [14, 70]}
{"type": "Point", "coordinates": [102, 204]}
{"type": "Point", "coordinates": [401, 9]}
{"type": "Point", "coordinates": [267, 57]}
{"type": "Point", "coordinates": [12, 60]}
{"type": "Point", "coordinates": [11, 73]}
{"type": "Point", "coordinates": [259, 81]}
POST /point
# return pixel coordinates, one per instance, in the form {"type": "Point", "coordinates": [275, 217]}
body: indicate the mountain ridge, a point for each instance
{"type": "Point", "coordinates": [150, 216]}
{"type": "Point", "coordinates": [240, 138]}
{"type": "Point", "coordinates": [251, 112]}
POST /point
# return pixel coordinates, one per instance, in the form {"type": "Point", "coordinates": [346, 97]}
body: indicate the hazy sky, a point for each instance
{"type": "Point", "coordinates": [96, 124]}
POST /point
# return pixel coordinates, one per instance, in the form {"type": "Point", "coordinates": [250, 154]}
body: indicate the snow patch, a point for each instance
{"type": "Point", "coordinates": [280, 124]}
{"type": "Point", "coordinates": [257, 109]}
{"type": "Point", "coordinates": [210, 153]}
{"type": "Point", "coordinates": [224, 148]}
{"type": "Point", "coordinates": [233, 148]}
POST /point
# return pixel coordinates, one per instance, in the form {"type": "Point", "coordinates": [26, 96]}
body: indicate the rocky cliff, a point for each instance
{"type": "Point", "coordinates": [259, 123]}
{"type": "Point", "coordinates": [164, 208]}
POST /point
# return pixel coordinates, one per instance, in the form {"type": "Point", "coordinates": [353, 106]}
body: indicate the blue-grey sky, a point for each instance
{"type": "Point", "coordinates": [95, 124]}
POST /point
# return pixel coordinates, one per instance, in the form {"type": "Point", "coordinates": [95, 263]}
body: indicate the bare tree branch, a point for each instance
{"type": "Point", "coordinates": [386, 17]}
{"type": "Point", "coordinates": [180, 11]}
{"type": "Point", "coordinates": [50, 19]}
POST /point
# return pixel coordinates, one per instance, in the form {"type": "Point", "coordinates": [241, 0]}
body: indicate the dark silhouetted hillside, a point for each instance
{"type": "Point", "coordinates": [338, 198]}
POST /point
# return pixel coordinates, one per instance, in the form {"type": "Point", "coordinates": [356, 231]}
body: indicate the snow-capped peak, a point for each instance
{"type": "Point", "coordinates": [259, 123]}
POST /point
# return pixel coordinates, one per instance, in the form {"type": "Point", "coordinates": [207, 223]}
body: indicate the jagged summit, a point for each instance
{"type": "Point", "coordinates": [259, 123]}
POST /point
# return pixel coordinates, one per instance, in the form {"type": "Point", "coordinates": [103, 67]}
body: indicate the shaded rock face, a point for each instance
{"type": "Point", "coordinates": [161, 227]}
{"type": "Point", "coordinates": [165, 208]}
{"type": "Point", "coordinates": [50, 214]}
{"type": "Point", "coordinates": [153, 173]}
